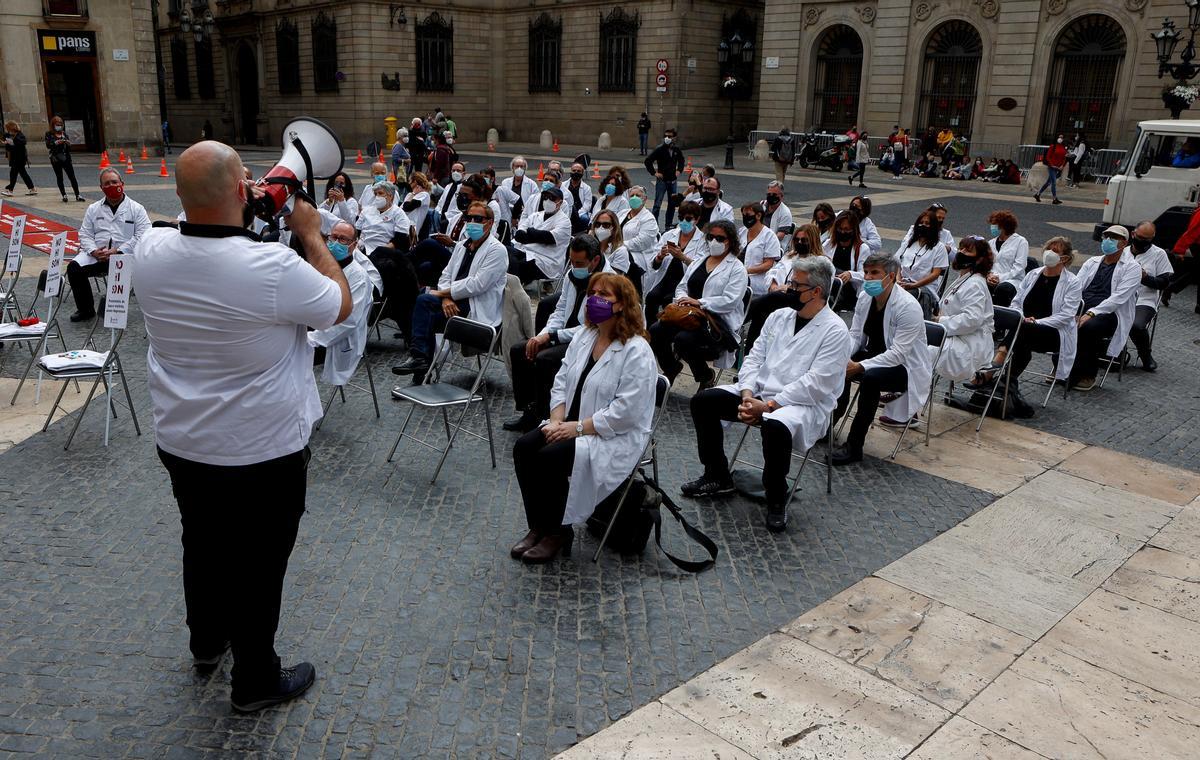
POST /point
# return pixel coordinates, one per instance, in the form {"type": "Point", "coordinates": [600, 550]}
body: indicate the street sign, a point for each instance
{"type": "Point", "coordinates": [662, 65]}
{"type": "Point", "coordinates": [660, 83]}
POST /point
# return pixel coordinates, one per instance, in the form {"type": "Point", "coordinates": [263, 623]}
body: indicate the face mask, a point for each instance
{"type": "Point", "coordinates": [456, 176]}
{"type": "Point", "coordinates": [635, 202]}
{"type": "Point", "coordinates": [845, 237]}
{"type": "Point", "coordinates": [449, 140]}
{"type": "Point", "coordinates": [113, 192]}
{"type": "Point", "coordinates": [1050, 258]}
{"type": "Point", "coordinates": [800, 246]}
{"type": "Point", "coordinates": [772, 200]}
{"type": "Point", "coordinates": [687, 227]}
{"type": "Point", "coordinates": [474, 230]}
{"type": "Point", "coordinates": [58, 128]}
{"type": "Point", "coordinates": [667, 140]}
{"type": "Point", "coordinates": [381, 178]}
{"type": "Point", "coordinates": [382, 203]}
{"type": "Point", "coordinates": [549, 206]}
{"type": "Point", "coordinates": [1139, 245]}
{"type": "Point", "coordinates": [963, 261]}
{"type": "Point", "coordinates": [598, 310]}
{"type": "Point", "coordinates": [716, 248]}
{"type": "Point", "coordinates": [610, 190]}
{"type": "Point", "coordinates": [463, 202]}
{"type": "Point", "coordinates": [580, 273]}
{"type": "Point", "coordinates": [576, 176]}
{"type": "Point", "coordinates": [824, 224]}
{"type": "Point", "coordinates": [921, 229]}
{"type": "Point", "coordinates": [519, 171]}
{"type": "Point", "coordinates": [340, 251]}
{"type": "Point", "coordinates": [994, 230]}
{"type": "Point", "coordinates": [749, 221]}
{"type": "Point", "coordinates": [602, 234]}
{"type": "Point", "coordinates": [1059, 141]}
{"type": "Point", "coordinates": [708, 195]}
{"type": "Point", "coordinates": [547, 184]}
{"type": "Point", "coordinates": [1108, 246]}
{"type": "Point", "coordinates": [791, 299]}
{"type": "Point", "coordinates": [873, 287]}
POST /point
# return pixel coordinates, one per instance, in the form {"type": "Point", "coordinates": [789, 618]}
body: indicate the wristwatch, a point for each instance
{"type": "Point", "coordinates": [578, 428]}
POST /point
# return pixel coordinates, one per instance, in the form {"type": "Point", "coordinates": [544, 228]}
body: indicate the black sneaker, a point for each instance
{"type": "Point", "coordinates": [844, 455]}
{"type": "Point", "coordinates": [706, 486]}
{"type": "Point", "coordinates": [1056, 202]}
{"type": "Point", "coordinates": [776, 518]}
{"type": "Point", "coordinates": [79, 316]}
{"type": "Point", "coordinates": [415, 363]}
{"type": "Point", "coordinates": [293, 682]}
{"type": "Point", "coordinates": [208, 664]}
{"type": "Point", "coordinates": [522, 423]}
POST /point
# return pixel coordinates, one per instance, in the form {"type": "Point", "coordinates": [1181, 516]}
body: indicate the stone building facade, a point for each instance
{"type": "Point", "coordinates": [89, 61]}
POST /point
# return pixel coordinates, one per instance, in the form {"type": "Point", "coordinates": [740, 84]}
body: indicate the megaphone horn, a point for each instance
{"type": "Point", "coordinates": [310, 151]}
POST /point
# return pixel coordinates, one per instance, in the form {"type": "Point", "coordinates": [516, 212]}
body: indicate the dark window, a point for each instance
{"type": "Point", "coordinates": [545, 53]}
{"type": "Point", "coordinates": [174, 7]}
{"type": "Point", "coordinates": [949, 76]}
{"type": "Point", "coordinates": [325, 65]}
{"type": "Point", "coordinates": [618, 51]}
{"type": "Point", "coordinates": [435, 54]}
{"type": "Point", "coordinates": [838, 79]}
{"type": "Point", "coordinates": [1083, 79]}
{"type": "Point", "coordinates": [204, 70]}
{"type": "Point", "coordinates": [65, 8]}
{"type": "Point", "coordinates": [287, 54]}
{"type": "Point", "coordinates": [179, 69]}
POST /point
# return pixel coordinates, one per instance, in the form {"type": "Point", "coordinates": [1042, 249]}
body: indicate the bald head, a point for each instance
{"type": "Point", "coordinates": [207, 176]}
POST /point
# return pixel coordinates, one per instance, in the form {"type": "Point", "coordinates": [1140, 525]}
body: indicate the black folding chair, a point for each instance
{"type": "Point", "coordinates": [9, 304]}
{"type": "Point", "coordinates": [434, 394]}
{"type": "Point", "coordinates": [377, 309]}
{"type": "Point", "coordinates": [1006, 319]}
{"type": "Point", "coordinates": [649, 456]}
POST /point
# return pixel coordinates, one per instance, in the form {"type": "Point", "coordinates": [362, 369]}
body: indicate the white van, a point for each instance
{"type": "Point", "coordinates": [1158, 180]}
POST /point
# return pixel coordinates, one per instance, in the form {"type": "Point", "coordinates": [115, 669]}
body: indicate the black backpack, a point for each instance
{"type": "Point", "coordinates": [786, 151]}
{"type": "Point", "coordinates": [631, 531]}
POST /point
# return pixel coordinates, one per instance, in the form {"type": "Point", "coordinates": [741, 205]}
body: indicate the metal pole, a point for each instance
{"type": "Point", "coordinates": [729, 139]}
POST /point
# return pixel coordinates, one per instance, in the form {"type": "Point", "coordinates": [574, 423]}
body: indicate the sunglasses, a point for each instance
{"type": "Point", "coordinates": [718, 238]}
{"type": "Point", "coordinates": [475, 217]}
{"type": "Point", "coordinates": [605, 225]}
{"type": "Point", "coordinates": [774, 198]}
{"type": "Point", "coordinates": [687, 218]}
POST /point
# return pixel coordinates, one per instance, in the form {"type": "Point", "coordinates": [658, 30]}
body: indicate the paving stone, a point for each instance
{"type": "Point", "coordinates": [1162, 579]}
{"type": "Point", "coordinates": [1134, 474]}
{"type": "Point", "coordinates": [1182, 534]}
{"type": "Point", "coordinates": [963, 740]}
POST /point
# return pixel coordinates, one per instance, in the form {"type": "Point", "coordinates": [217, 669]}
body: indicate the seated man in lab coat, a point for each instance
{"type": "Point", "coordinates": [340, 347]}
{"type": "Point", "coordinates": [540, 246]}
{"type": "Point", "coordinates": [788, 384]}
{"type": "Point", "coordinates": [890, 355]}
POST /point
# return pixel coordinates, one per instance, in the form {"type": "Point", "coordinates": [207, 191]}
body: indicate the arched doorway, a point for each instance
{"type": "Point", "coordinates": [949, 77]}
{"type": "Point", "coordinates": [1082, 93]}
{"type": "Point", "coordinates": [247, 79]}
{"type": "Point", "coordinates": [837, 80]}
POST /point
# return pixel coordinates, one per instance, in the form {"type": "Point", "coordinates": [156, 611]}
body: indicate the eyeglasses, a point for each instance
{"type": "Point", "coordinates": [796, 287]}
{"type": "Point", "coordinates": [341, 239]}
{"type": "Point", "coordinates": [475, 218]}
{"type": "Point", "coordinates": [719, 239]}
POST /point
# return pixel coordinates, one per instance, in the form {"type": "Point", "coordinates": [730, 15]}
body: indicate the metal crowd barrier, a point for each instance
{"type": "Point", "coordinates": [1103, 164]}
{"type": "Point", "coordinates": [1028, 155]}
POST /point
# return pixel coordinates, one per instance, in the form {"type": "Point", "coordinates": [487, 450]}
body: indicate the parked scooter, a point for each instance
{"type": "Point", "coordinates": [810, 153]}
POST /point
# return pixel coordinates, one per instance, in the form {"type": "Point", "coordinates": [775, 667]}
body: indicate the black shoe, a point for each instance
{"type": "Point", "coordinates": [65, 199]}
{"type": "Point", "coordinates": [776, 518]}
{"type": "Point", "coordinates": [844, 455]}
{"type": "Point", "coordinates": [415, 363]}
{"type": "Point", "coordinates": [293, 682]}
{"type": "Point", "coordinates": [706, 486]}
{"type": "Point", "coordinates": [1037, 197]}
{"type": "Point", "coordinates": [208, 664]}
{"type": "Point", "coordinates": [1056, 202]}
{"type": "Point", "coordinates": [523, 423]}
{"type": "Point", "coordinates": [1148, 362]}
{"type": "Point", "coordinates": [79, 316]}
{"type": "Point", "coordinates": [81, 199]}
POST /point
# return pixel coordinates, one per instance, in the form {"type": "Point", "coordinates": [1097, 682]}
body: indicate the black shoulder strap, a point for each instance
{"type": "Point", "coordinates": [690, 566]}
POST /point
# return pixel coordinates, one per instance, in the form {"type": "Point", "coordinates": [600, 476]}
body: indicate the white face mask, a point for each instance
{"type": "Point", "coordinates": [716, 247]}
{"type": "Point", "coordinates": [449, 140]}
{"type": "Point", "coordinates": [549, 207]}
{"type": "Point", "coordinates": [602, 234]}
{"type": "Point", "coordinates": [1050, 258]}
{"type": "Point", "coordinates": [456, 176]}
{"type": "Point", "coordinates": [382, 203]}
{"type": "Point", "coordinates": [667, 140]}
{"type": "Point", "coordinates": [519, 171]}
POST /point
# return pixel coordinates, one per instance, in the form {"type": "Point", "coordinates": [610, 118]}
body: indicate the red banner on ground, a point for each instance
{"type": "Point", "coordinates": [38, 229]}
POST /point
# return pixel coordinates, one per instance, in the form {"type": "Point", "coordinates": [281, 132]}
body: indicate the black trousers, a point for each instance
{"type": "Point", "coordinates": [664, 292]}
{"type": "Point", "coordinates": [544, 474]}
{"type": "Point", "coordinates": [533, 380]}
{"type": "Point", "coordinates": [13, 171]}
{"type": "Point", "coordinates": [429, 258]}
{"type": "Point", "coordinates": [761, 308]}
{"type": "Point", "coordinates": [871, 383]}
{"type": "Point", "coordinates": [1140, 332]}
{"type": "Point", "coordinates": [1094, 336]}
{"type": "Point", "coordinates": [1041, 339]}
{"type": "Point", "coordinates": [1187, 270]}
{"type": "Point", "coordinates": [1003, 294]}
{"type": "Point", "coordinates": [81, 285]}
{"type": "Point", "coordinates": [524, 269]}
{"type": "Point", "coordinates": [709, 408]}
{"type": "Point", "coordinates": [239, 527]}
{"type": "Point", "coordinates": [696, 347]}
{"type": "Point", "coordinates": [545, 307]}
{"type": "Point", "coordinates": [635, 276]}
{"type": "Point", "coordinates": [69, 169]}
{"type": "Point", "coordinates": [399, 283]}
{"type": "Point", "coordinates": [860, 171]}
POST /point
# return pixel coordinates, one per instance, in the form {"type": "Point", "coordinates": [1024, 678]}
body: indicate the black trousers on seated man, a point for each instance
{"type": "Point", "coordinates": [239, 527]}
{"type": "Point", "coordinates": [81, 284]}
{"type": "Point", "coordinates": [709, 408]}
{"type": "Point", "coordinates": [533, 380]}
{"type": "Point", "coordinates": [1094, 336]}
{"type": "Point", "coordinates": [871, 383]}
{"type": "Point", "coordinates": [525, 269]}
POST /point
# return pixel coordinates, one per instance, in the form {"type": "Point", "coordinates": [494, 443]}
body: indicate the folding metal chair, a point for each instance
{"type": "Point", "coordinates": [105, 373]}
{"type": "Point", "coordinates": [649, 456]}
{"type": "Point", "coordinates": [52, 331]}
{"type": "Point", "coordinates": [373, 315]}
{"type": "Point", "coordinates": [8, 292]}
{"type": "Point", "coordinates": [828, 463]}
{"type": "Point", "coordinates": [434, 394]}
{"type": "Point", "coordinates": [1006, 319]}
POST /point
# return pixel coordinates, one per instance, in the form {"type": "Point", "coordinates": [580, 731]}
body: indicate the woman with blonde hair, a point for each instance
{"type": "Point", "coordinates": [601, 409]}
{"type": "Point", "coordinates": [607, 228]}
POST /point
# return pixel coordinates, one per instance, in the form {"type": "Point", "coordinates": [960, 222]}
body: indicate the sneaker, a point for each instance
{"type": "Point", "coordinates": [1056, 202]}
{"type": "Point", "coordinates": [845, 454]}
{"type": "Point", "coordinates": [889, 422]}
{"type": "Point", "coordinates": [293, 682]}
{"type": "Point", "coordinates": [1085, 384]}
{"type": "Point", "coordinates": [776, 518]}
{"type": "Point", "coordinates": [706, 486]}
{"type": "Point", "coordinates": [81, 199]}
{"type": "Point", "coordinates": [6, 193]}
{"type": "Point", "coordinates": [65, 199]}
{"type": "Point", "coordinates": [415, 363]}
{"type": "Point", "coordinates": [32, 192]}
{"type": "Point", "coordinates": [1037, 197]}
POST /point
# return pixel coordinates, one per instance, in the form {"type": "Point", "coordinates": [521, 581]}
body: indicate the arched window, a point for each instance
{"type": "Point", "coordinates": [618, 51]}
{"type": "Point", "coordinates": [287, 57]}
{"type": "Point", "coordinates": [325, 63]}
{"type": "Point", "coordinates": [179, 69]}
{"type": "Point", "coordinates": [1083, 79]}
{"type": "Point", "coordinates": [435, 54]}
{"type": "Point", "coordinates": [838, 79]}
{"type": "Point", "coordinates": [205, 84]}
{"type": "Point", "coordinates": [545, 52]}
{"type": "Point", "coordinates": [949, 76]}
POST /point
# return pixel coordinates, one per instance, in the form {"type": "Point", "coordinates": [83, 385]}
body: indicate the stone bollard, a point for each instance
{"type": "Point", "coordinates": [1036, 176]}
{"type": "Point", "coordinates": [605, 142]}
{"type": "Point", "coordinates": [547, 141]}
{"type": "Point", "coordinates": [762, 150]}
{"type": "Point", "coordinates": [391, 122]}
{"type": "Point", "coordinates": [493, 137]}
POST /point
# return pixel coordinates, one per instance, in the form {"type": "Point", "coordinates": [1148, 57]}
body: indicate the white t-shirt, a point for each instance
{"type": "Point", "coordinates": [229, 366]}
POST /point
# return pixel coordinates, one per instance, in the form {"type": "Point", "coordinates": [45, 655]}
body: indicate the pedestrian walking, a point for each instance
{"type": "Point", "coordinates": [783, 153]}
{"type": "Point", "coordinates": [59, 146]}
{"type": "Point", "coordinates": [643, 128]}
{"type": "Point", "coordinates": [1054, 159]}
{"type": "Point", "coordinates": [18, 158]}
{"type": "Point", "coordinates": [862, 159]}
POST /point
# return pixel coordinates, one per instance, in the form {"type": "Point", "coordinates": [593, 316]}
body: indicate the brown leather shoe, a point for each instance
{"type": "Point", "coordinates": [549, 547]}
{"type": "Point", "coordinates": [525, 544]}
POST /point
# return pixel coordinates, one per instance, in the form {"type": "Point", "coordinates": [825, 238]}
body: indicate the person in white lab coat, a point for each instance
{"type": "Point", "coordinates": [760, 247]}
{"type": "Point", "coordinates": [823, 216]}
{"type": "Point", "coordinates": [639, 229]}
{"type": "Point", "coordinates": [944, 235]}
{"type": "Point", "coordinates": [922, 261]}
{"type": "Point", "coordinates": [602, 406]}
{"type": "Point", "coordinates": [471, 285]}
{"type": "Point", "coordinates": [675, 251]}
{"type": "Point", "coordinates": [378, 174]}
{"type": "Point", "coordinates": [514, 193]}
{"type": "Point", "coordinates": [717, 284]}
{"type": "Point", "coordinates": [788, 383]}
{"type": "Point", "coordinates": [431, 255]}
{"type": "Point", "coordinates": [578, 198]}
{"type": "Point", "coordinates": [383, 223]}
{"type": "Point", "coordinates": [1012, 257]}
{"type": "Point", "coordinates": [867, 231]}
{"type": "Point", "coordinates": [341, 347]}
{"type": "Point", "coordinates": [417, 203]}
{"type": "Point", "coordinates": [890, 355]}
{"type": "Point", "coordinates": [776, 214]}
{"type": "Point", "coordinates": [539, 249]}
{"type": "Point", "coordinates": [607, 229]}
{"type": "Point", "coordinates": [112, 225]}
{"type": "Point", "coordinates": [712, 208]}
{"type": "Point", "coordinates": [339, 198]}
{"type": "Point", "coordinates": [966, 313]}
{"type": "Point", "coordinates": [610, 195]}
{"type": "Point", "coordinates": [1109, 284]}
{"type": "Point", "coordinates": [1156, 275]}
{"type": "Point", "coordinates": [847, 250]}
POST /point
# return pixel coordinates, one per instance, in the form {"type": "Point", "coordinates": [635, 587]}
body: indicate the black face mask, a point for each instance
{"type": "Point", "coordinates": [708, 195]}
{"type": "Point", "coordinates": [845, 237]}
{"type": "Point", "coordinates": [576, 176]}
{"type": "Point", "coordinates": [963, 261]}
{"type": "Point", "coordinates": [800, 246]}
{"type": "Point", "coordinates": [824, 224]}
{"type": "Point", "coordinates": [750, 220]}
{"type": "Point", "coordinates": [463, 202]}
{"type": "Point", "coordinates": [922, 230]}
{"type": "Point", "coordinates": [1140, 246]}
{"type": "Point", "coordinates": [772, 200]}
{"type": "Point", "coordinates": [791, 299]}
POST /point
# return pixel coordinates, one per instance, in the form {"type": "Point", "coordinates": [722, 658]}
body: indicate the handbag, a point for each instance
{"type": "Point", "coordinates": [683, 317]}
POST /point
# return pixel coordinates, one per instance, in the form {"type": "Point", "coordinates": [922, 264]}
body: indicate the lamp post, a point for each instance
{"type": "Point", "coordinates": [732, 54]}
{"type": "Point", "coordinates": [1165, 41]}
{"type": "Point", "coordinates": [203, 26]}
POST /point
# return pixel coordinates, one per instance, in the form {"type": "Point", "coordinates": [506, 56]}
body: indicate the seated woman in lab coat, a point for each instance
{"type": "Point", "coordinates": [804, 242]}
{"type": "Point", "coordinates": [601, 409]}
{"type": "Point", "coordinates": [607, 229]}
{"type": "Point", "coordinates": [340, 347]}
{"type": "Point", "coordinates": [639, 229]}
{"type": "Point", "coordinates": [760, 247]}
{"type": "Point", "coordinates": [788, 384]}
{"type": "Point", "coordinates": [966, 313]}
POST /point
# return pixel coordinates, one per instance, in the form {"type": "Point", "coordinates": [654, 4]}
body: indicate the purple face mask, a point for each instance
{"type": "Point", "coordinates": [598, 310]}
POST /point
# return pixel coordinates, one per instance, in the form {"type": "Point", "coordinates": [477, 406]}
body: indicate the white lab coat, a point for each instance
{"type": "Point", "coordinates": [377, 228]}
{"type": "Point", "coordinates": [345, 342]}
{"type": "Point", "coordinates": [1010, 259]}
{"type": "Point", "coordinates": [619, 258]}
{"type": "Point", "coordinates": [918, 262]}
{"type": "Point", "coordinates": [802, 371]}
{"type": "Point", "coordinates": [617, 204]}
{"type": "Point", "coordinates": [102, 227]}
{"type": "Point", "coordinates": [720, 211]}
{"type": "Point", "coordinates": [556, 325]}
{"type": "Point", "coordinates": [723, 297]}
{"type": "Point", "coordinates": [781, 218]}
{"type": "Point", "coordinates": [1122, 299]}
{"type": "Point", "coordinates": [780, 273]}
{"type": "Point", "coordinates": [619, 398]}
{"type": "Point", "coordinates": [857, 258]}
{"type": "Point", "coordinates": [1067, 296]}
{"type": "Point", "coordinates": [968, 316]}
{"type": "Point", "coordinates": [345, 211]}
{"type": "Point", "coordinates": [550, 258]}
{"type": "Point", "coordinates": [483, 287]}
{"type": "Point", "coordinates": [695, 249]}
{"type": "Point", "coordinates": [585, 198]}
{"type": "Point", "coordinates": [1155, 262]}
{"type": "Point", "coordinates": [508, 197]}
{"type": "Point", "coordinates": [417, 215]}
{"type": "Point", "coordinates": [372, 273]}
{"type": "Point", "coordinates": [640, 232]}
{"type": "Point", "coordinates": [870, 235]}
{"type": "Point", "coordinates": [756, 251]}
{"type": "Point", "coordinates": [904, 336]}
{"type": "Point", "coordinates": [944, 237]}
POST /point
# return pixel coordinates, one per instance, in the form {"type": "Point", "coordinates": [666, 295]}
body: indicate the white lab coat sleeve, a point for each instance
{"type": "Point", "coordinates": [487, 277]}
{"type": "Point", "coordinates": [825, 377]}
{"type": "Point", "coordinates": [747, 376]}
{"type": "Point", "coordinates": [908, 337]}
{"type": "Point", "coordinates": [87, 233]}
{"type": "Point", "coordinates": [627, 411]}
{"type": "Point", "coordinates": [328, 219]}
{"type": "Point", "coordinates": [645, 235]}
{"type": "Point", "coordinates": [360, 292]}
{"type": "Point", "coordinates": [976, 311]}
{"type": "Point", "coordinates": [141, 225]}
{"type": "Point", "coordinates": [558, 318]}
{"type": "Point", "coordinates": [1125, 282]}
{"type": "Point", "coordinates": [870, 235]}
{"type": "Point", "coordinates": [732, 291]}
{"type": "Point", "coordinates": [1016, 266]}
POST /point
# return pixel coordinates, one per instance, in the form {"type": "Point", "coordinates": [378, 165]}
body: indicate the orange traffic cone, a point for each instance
{"type": "Point", "coordinates": [595, 171]}
{"type": "Point", "coordinates": [555, 148]}
{"type": "Point", "coordinates": [121, 156]}
{"type": "Point", "coordinates": [104, 164]}
{"type": "Point", "coordinates": [145, 155]}
{"type": "Point", "coordinates": [162, 169]}
{"type": "Point", "coordinates": [491, 147]}
{"type": "Point", "coordinates": [381, 158]}
{"type": "Point", "coordinates": [541, 172]}
{"type": "Point", "coordinates": [689, 166]}
{"type": "Point", "coordinates": [391, 177]}
{"type": "Point", "coordinates": [129, 166]}
{"type": "Point", "coordinates": [359, 160]}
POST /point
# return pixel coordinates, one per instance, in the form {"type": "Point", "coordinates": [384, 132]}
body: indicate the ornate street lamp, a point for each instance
{"type": "Point", "coordinates": [1166, 40]}
{"type": "Point", "coordinates": [731, 55]}
{"type": "Point", "coordinates": [203, 27]}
